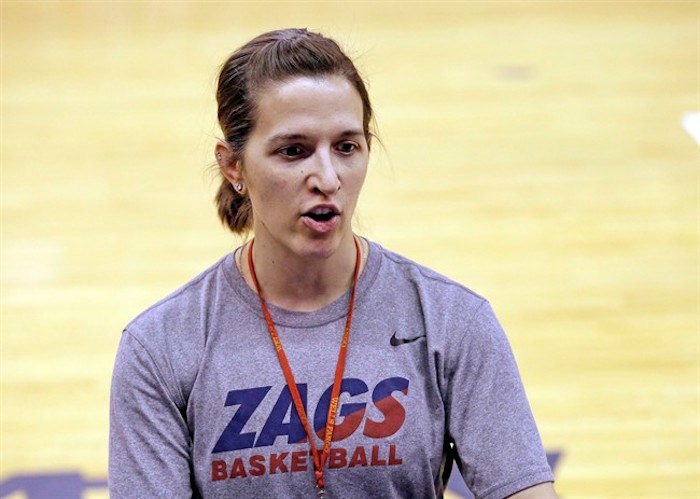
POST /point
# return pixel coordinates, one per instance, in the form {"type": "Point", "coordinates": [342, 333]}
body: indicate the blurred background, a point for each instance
{"type": "Point", "coordinates": [532, 150]}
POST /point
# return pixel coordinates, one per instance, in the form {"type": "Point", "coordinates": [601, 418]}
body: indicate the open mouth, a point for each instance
{"type": "Point", "coordinates": [321, 214]}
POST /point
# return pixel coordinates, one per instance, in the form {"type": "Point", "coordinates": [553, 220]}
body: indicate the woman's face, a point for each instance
{"type": "Point", "coordinates": [304, 164]}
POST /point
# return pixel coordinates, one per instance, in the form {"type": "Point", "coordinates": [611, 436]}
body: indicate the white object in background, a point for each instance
{"type": "Point", "coordinates": [691, 123]}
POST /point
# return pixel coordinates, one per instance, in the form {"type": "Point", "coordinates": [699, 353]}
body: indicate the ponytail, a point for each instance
{"type": "Point", "coordinates": [235, 210]}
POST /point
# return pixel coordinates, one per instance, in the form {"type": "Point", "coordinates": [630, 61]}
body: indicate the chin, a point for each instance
{"type": "Point", "coordinates": [320, 248]}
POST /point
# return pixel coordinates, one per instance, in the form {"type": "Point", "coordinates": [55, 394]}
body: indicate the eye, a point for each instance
{"type": "Point", "coordinates": [291, 152]}
{"type": "Point", "coordinates": [347, 147]}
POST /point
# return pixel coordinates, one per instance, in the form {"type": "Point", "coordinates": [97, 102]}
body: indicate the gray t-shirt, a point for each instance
{"type": "Point", "coordinates": [200, 407]}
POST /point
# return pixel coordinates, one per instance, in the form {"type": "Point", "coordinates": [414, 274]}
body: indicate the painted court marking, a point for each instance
{"type": "Point", "coordinates": [74, 485]}
{"type": "Point", "coordinates": [691, 124]}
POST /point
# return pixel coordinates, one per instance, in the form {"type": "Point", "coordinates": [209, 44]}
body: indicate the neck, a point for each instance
{"type": "Point", "coordinates": [300, 283]}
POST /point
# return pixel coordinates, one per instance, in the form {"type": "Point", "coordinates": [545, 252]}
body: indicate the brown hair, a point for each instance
{"type": "Point", "coordinates": [272, 57]}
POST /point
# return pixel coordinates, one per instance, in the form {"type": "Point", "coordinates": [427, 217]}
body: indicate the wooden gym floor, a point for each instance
{"type": "Point", "coordinates": [532, 150]}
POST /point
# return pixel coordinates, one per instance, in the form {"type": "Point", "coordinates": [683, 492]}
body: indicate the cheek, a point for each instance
{"type": "Point", "coordinates": [355, 178]}
{"type": "Point", "coordinates": [273, 190]}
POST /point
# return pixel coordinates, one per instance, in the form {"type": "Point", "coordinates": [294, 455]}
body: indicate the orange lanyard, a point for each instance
{"type": "Point", "coordinates": [319, 459]}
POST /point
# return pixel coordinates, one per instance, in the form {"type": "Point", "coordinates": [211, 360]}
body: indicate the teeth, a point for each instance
{"type": "Point", "coordinates": [322, 211]}
{"type": "Point", "coordinates": [322, 214]}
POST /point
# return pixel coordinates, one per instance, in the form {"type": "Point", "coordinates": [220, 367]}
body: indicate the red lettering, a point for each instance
{"type": "Point", "coordinates": [299, 460]}
{"type": "Point", "coordinates": [350, 423]}
{"type": "Point", "coordinates": [359, 458]}
{"type": "Point", "coordinates": [337, 458]}
{"type": "Point", "coordinates": [375, 457]}
{"type": "Point", "coordinates": [349, 415]}
{"type": "Point", "coordinates": [237, 469]}
{"type": "Point", "coordinates": [277, 462]}
{"type": "Point", "coordinates": [394, 416]}
{"type": "Point", "coordinates": [393, 460]}
{"type": "Point", "coordinates": [392, 410]}
{"type": "Point", "coordinates": [257, 465]}
{"type": "Point", "coordinates": [218, 471]}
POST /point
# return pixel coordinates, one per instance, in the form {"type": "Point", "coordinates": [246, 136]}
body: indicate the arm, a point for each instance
{"type": "Point", "coordinates": [149, 447]}
{"type": "Point", "coordinates": [541, 491]}
{"type": "Point", "coordinates": [499, 450]}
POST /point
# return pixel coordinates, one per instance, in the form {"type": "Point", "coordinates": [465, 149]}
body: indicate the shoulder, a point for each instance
{"type": "Point", "coordinates": [174, 329]}
{"type": "Point", "coordinates": [455, 317]}
{"type": "Point", "coordinates": [399, 270]}
{"type": "Point", "coordinates": [169, 337]}
{"type": "Point", "coordinates": [183, 306]}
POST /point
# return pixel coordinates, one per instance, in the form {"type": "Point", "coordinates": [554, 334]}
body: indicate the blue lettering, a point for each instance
{"type": "Point", "coordinates": [248, 400]}
{"type": "Point", "coordinates": [387, 386]}
{"type": "Point", "coordinates": [275, 425]}
{"type": "Point", "coordinates": [351, 386]}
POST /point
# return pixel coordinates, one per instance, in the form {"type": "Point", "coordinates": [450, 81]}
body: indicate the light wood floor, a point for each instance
{"type": "Point", "coordinates": [532, 150]}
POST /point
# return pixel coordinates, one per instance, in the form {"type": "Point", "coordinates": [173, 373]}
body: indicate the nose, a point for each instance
{"type": "Point", "coordinates": [324, 176]}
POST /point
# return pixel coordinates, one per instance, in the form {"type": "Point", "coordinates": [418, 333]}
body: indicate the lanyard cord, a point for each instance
{"type": "Point", "coordinates": [319, 459]}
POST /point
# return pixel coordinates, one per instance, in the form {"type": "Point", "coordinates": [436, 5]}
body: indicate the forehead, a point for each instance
{"type": "Point", "coordinates": [308, 104]}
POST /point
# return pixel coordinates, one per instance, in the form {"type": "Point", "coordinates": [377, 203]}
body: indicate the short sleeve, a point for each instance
{"type": "Point", "coordinates": [498, 447]}
{"type": "Point", "coordinates": [149, 445]}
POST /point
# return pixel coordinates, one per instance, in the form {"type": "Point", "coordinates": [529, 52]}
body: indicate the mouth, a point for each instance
{"type": "Point", "coordinates": [321, 214]}
{"type": "Point", "coordinates": [322, 218]}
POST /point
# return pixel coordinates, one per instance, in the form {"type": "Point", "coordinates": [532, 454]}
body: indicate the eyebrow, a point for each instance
{"type": "Point", "coordinates": [300, 136]}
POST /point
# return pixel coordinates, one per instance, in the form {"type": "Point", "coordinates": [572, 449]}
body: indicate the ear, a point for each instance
{"type": "Point", "coordinates": [229, 164]}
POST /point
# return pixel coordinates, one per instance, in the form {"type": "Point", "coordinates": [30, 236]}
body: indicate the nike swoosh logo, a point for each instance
{"type": "Point", "coordinates": [394, 341]}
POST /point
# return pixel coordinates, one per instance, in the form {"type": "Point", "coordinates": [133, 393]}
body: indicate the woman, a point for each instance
{"type": "Point", "coordinates": [309, 333]}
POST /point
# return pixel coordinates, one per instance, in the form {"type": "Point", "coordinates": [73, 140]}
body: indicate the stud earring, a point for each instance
{"type": "Point", "coordinates": [238, 187]}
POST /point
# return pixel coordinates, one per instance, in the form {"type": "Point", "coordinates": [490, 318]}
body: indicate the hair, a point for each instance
{"type": "Point", "coordinates": [275, 56]}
